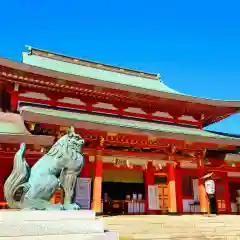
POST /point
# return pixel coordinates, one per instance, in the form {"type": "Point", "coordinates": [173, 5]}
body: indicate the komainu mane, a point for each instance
{"type": "Point", "coordinates": [58, 168]}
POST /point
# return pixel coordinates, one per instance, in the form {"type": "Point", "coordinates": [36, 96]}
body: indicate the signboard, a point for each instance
{"type": "Point", "coordinates": [153, 201]}
{"type": "Point", "coordinates": [161, 179]}
{"type": "Point", "coordinates": [83, 193]}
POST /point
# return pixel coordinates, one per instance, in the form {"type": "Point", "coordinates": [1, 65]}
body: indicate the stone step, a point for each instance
{"type": "Point", "coordinates": [26, 225]}
{"type": "Point", "coordinates": [182, 237]}
{"type": "Point", "coordinates": [93, 236]}
{"type": "Point", "coordinates": [61, 227]}
{"type": "Point", "coordinates": [45, 215]}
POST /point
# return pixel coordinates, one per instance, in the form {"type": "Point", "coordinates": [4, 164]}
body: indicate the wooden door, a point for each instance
{"type": "Point", "coordinates": [220, 197]}
{"type": "Point", "coordinates": [163, 197]}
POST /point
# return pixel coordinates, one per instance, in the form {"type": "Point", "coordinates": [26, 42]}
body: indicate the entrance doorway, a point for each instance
{"type": "Point", "coordinates": [123, 192]}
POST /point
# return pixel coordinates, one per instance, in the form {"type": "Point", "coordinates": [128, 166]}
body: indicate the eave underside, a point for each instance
{"type": "Point", "coordinates": [114, 124]}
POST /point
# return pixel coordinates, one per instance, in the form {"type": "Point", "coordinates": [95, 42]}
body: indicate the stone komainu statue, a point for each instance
{"type": "Point", "coordinates": [58, 168]}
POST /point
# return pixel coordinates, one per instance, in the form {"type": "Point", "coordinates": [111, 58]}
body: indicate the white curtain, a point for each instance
{"type": "Point", "coordinates": [195, 189]}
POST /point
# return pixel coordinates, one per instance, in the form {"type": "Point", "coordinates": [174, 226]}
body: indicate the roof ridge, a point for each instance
{"type": "Point", "coordinates": [89, 63]}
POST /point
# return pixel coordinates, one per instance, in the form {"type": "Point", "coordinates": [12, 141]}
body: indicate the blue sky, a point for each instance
{"type": "Point", "coordinates": [193, 45]}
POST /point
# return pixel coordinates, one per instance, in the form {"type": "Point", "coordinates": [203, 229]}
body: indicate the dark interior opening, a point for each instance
{"type": "Point", "coordinates": [119, 190]}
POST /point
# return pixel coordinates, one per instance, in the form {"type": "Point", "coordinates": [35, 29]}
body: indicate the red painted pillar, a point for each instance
{"type": "Point", "coordinates": [172, 203]}
{"type": "Point", "coordinates": [97, 183]}
{"type": "Point", "coordinates": [148, 180]}
{"type": "Point", "coordinates": [179, 190]}
{"type": "Point", "coordinates": [227, 196]}
{"type": "Point", "coordinates": [14, 97]}
{"type": "Point", "coordinates": [86, 171]}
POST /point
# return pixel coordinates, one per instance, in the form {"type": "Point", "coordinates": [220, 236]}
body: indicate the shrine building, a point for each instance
{"type": "Point", "coordinates": [145, 144]}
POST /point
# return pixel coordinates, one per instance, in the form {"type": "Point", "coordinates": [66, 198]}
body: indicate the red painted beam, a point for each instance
{"type": "Point", "coordinates": [91, 108]}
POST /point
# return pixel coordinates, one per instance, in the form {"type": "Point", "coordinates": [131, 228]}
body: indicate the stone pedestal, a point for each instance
{"type": "Point", "coordinates": [38, 225]}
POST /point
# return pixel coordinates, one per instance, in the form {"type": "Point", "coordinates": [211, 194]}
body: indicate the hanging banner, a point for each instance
{"type": "Point", "coordinates": [83, 193]}
{"type": "Point", "coordinates": [153, 200]}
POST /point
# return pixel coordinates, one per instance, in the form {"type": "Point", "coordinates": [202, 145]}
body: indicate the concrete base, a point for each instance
{"type": "Point", "coordinates": [52, 225]}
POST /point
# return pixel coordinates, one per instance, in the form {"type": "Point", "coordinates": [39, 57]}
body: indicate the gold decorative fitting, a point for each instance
{"type": "Point", "coordinates": [173, 148]}
{"type": "Point", "coordinates": [112, 134]}
{"type": "Point", "coordinates": [102, 141]}
{"type": "Point", "coordinates": [204, 152]}
{"type": "Point", "coordinates": [32, 126]}
{"type": "Point", "coordinates": [91, 159]}
{"type": "Point", "coordinates": [232, 164]}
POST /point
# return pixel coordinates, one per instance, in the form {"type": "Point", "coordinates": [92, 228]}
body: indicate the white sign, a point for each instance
{"type": "Point", "coordinates": [153, 199]}
{"type": "Point", "coordinates": [83, 193]}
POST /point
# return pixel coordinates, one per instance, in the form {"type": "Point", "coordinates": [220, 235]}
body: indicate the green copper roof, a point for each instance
{"type": "Point", "coordinates": [158, 128]}
{"type": "Point", "coordinates": [9, 128]}
{"type": "Point", "coordinates": [11, 123]}
{"type": "Point", "coordinates": [94, 73]}
{"type": "Point", "coordinates": [13, 130]}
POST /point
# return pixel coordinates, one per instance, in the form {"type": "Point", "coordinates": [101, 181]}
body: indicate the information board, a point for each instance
{"type": "Point", "coordinates": [83, 193]}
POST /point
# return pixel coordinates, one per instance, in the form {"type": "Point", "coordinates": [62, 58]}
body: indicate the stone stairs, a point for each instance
{"type": "Point", "coordinates": [59, 225]}
{"type": "Point", "coordinates": [175, 227]}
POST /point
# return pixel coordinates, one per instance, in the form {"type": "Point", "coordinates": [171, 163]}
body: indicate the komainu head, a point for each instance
{"type": "Point", "coordinates": [67, 144]}
{"type": "Point", "coordinates": [74, 140]}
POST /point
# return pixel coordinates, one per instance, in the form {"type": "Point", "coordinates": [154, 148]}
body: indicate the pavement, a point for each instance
{"type": "Point", "coordinates": [186, 227]}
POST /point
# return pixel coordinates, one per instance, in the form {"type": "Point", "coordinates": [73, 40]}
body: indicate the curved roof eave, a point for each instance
{"type": "Point", "coordinates": [107, 123]}
{"type": "Point", "coordinates": [163, 93]}
{"type": "Point", "coordinates": [136, 84]}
